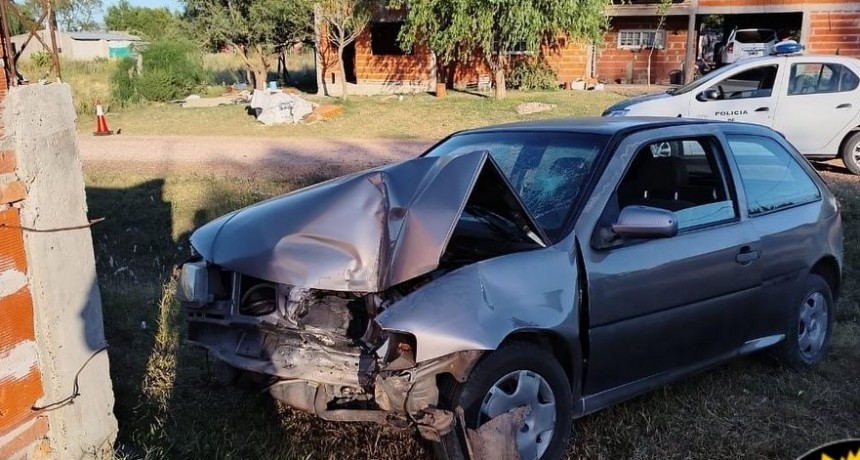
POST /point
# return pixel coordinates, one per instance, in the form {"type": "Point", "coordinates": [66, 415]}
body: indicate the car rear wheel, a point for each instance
{"type": "Point", "coordinates": [851, 153]}
{"type": "Point", "coordinates": [516, 375]}
{"type": "Point", "coordinates": [808, 335]}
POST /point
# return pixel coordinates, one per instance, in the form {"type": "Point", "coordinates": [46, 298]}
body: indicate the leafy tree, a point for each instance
{"type": "Point", "coordinates": [151, 23]}
{"type": "Point", "coordinates": [459, 29]}
{"type": "Point", "coordinates": [344, 20]}
{"type": "Point", "coordinates": [254, 29]}
{"type": "Point", "coordinates": [72, 15]}
{"type": "Point", "coordinates": [662, 10]}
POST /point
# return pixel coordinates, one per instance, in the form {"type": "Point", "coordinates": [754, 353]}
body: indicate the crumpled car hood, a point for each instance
{"type": "Point", "coordinates": [362, 233]}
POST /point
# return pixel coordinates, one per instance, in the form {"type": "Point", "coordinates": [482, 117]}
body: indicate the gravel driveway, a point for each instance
{"type": "Point", "coordinates": [240, 156]}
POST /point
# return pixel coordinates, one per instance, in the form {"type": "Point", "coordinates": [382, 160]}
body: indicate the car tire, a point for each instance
{"type": "Point", "coordinates": [851, 153]}
{"type": "Point", "coordinates": [808, 334]}
{"type": "Point", "coordinates": [509, 365]}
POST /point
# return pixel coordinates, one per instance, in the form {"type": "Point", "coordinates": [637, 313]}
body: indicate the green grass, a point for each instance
{"type": "Point", "coordinates": [415, 116]}
{"type": "Point", "coordinates": [168, 408]}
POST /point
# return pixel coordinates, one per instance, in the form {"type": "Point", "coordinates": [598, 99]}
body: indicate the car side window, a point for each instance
{"type": "Point", "coordinates": [818, 78]}
{"type": "Point", "coordinates": [679, 175]}
{"type": "Point", "coordinates": [771, 177]}
{"type": "Point", "coordinates": [751, 83]}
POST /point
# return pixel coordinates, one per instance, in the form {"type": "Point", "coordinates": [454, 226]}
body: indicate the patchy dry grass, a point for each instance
{"type": "Point", "coordinates": [168, 407]}
{"type": "Point", "coordinates": [415, 116]}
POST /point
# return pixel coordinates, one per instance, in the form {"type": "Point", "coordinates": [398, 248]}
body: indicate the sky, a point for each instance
{"type": "Point", "coordinates": [172, 4]}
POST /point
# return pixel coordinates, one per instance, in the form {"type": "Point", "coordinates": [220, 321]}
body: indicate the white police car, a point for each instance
{"type": "Point", "coordinates": [813, 100]}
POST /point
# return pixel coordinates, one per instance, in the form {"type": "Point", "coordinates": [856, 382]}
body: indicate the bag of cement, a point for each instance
{"type": "Point", "coordinates": [277, 107]}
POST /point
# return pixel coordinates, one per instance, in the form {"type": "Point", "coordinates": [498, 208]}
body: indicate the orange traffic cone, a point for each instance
{"type": "Point", "coordinates": [101, 121]}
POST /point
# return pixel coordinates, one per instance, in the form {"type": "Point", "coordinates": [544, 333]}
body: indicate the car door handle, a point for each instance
{"type": "Point", "coordinates": [843, 106]}
{"type": "Point", "coordinates": [747, 255]}
{"type": "Point", "coordinates": [763, 109]}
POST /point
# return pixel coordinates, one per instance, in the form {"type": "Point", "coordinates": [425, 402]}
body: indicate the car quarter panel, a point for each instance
{"type": "Point", "coordinates": [793, 239]}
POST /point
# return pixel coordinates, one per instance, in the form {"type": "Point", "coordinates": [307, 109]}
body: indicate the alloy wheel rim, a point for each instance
{"type": "Point", "coordinates": [812, 326]}
{"type": "Point", "coordinates": [518, 389]}
{"type": "Point", "coordinates": [855, 153]}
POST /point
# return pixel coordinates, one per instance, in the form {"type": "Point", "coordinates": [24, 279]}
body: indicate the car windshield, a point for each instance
{"type": "Point", "coordinates": [704, 80]}
{"type": "Point", "coordinates": [754, 36]}
{"type": "Point", "coordinates": [547, 169]}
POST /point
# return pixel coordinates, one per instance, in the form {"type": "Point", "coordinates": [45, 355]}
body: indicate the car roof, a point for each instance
{"type": "Point", "coordinates": [593, 125]}
{"type": "Point", "coordinates": [801, 57]}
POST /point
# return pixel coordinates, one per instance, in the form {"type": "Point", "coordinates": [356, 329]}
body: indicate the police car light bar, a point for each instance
{"type": "Point", "coordinates": [787, 47]}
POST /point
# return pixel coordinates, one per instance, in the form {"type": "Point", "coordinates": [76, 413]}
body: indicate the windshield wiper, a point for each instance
{"type": "Point", "coordinates": [502, 225]}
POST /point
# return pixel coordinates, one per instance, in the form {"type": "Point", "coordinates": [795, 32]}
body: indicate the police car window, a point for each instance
{"type": "Point", "coordinates": [751, 83]}
{"type": "Point", "coordinates": [771, 177]}
{"type": "Point", "coordinates": [818, 78]}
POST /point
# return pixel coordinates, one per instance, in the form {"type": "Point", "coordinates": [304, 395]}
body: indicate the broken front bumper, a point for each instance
{"type": "Point", "coordinates": [323, 371]}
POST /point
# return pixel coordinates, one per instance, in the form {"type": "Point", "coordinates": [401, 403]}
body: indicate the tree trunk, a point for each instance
{"type": "Point", "coordinates": [342, 67]}
{"type": "Point", "coordinates": [501, 88]}
{"type": "Point", "coordinates": [260, 68]}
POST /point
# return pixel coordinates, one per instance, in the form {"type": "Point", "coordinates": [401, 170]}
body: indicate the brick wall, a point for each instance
{"type": "Point", "coordinates": [415, 67]}
{"type": "Point", "coordinates": [835, 31]}
{"type": "Point", "coordinates": [568, 59]}
{"type": "Point", "coordinates": [23, 434]}
{"type": "Point", "coordinates": [614, 64]}
{"type": "Point", "coordinates": [769, 3]}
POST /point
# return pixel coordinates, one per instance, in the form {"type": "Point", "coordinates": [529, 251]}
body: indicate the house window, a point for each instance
{"type": "Point", "coordinates": [519, 47]}
{"type": "Point", "coordinates": [383, 39]}
{"type": "Point", "coordinates": [634, 39]}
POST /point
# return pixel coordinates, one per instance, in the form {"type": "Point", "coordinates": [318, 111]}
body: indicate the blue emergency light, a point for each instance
{"type": "Point", "coordinates": [787, 47]}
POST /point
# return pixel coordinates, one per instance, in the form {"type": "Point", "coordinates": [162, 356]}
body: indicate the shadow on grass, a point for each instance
{"type": "Point", "coordinates": [167, 404]}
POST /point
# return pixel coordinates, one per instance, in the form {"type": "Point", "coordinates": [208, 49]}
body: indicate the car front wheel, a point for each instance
{"type": "Point", "coordinates": [517, 375]}
{"type": "Point", "coordinates": [851, 153]}
{"type": "Point", "coordinates": [811, 323]}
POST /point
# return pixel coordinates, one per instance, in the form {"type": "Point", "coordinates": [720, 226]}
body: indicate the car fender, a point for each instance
{"type": "Point", "coordinates": [477, 306]}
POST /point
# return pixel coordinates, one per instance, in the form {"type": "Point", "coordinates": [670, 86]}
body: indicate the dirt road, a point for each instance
{"type": "Point", "coordinates": [240, 156]}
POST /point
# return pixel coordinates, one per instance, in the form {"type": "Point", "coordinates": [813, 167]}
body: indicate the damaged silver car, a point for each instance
{"type": "Point", "coordinates": [516, 277]}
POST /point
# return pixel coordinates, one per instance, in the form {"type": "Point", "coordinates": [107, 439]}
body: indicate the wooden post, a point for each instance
{"type": "Point", "coordinates": [692, 48]}
{"type": "Point", "coordinates": [8, 53]}
{"type": "Point", "coordinates": [52, 29]}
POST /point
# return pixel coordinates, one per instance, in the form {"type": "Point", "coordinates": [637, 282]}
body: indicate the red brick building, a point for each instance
{"type": "Point", "coordinates": [376, 64]}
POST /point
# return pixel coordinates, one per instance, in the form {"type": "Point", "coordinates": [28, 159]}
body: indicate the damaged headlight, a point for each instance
{"type": "Point", "coordinates": [398, 351]}
{"type": "Point", "coordinates": [193, 285]}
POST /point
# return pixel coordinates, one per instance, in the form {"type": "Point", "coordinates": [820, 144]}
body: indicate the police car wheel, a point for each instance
{"type": "Point", "coordinates": [851, 153]}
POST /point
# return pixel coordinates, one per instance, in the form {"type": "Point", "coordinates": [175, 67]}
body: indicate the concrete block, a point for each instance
{"type": "Point", "coordinates": [39, 122]}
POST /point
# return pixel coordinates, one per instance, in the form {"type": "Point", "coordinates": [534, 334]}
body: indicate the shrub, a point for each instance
{"type": "Point", "coordinates": [123, 83]}
{"type": "Point", "coordinates": [171, 69]}
{"type": "Point", "coordinates": [158, 85]}
{"type": "Point", "coordinates": [41, 59]}
{"type": "Point", "coordinates": [532, 75]}
{"type": "Point", "coordinates": [176, 67]}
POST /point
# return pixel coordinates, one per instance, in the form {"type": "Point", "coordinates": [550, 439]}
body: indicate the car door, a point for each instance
{"type": "Point", "coordinates": [783, 204]}
{"type": "Point", "coordinates": [746, 95]}
{"type": "Point", "coordinates": [819, 100]}
{"type": "Point", "coordinates": [661, 306]}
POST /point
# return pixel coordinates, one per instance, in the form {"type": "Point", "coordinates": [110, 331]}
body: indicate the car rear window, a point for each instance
{"type": "Point", "coordinates": [754, 36]}
{"type": "Point", "coordinates": [771, 177]}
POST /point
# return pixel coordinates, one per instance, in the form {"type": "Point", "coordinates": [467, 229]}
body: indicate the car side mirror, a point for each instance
{"type": "Point", "coordinates": [646, 222]}
{"type": "Point", "coordinates": [708, 95]}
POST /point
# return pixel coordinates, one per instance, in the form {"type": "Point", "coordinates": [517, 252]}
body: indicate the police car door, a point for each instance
{"type": "Point", "coordinates": [746, 94]}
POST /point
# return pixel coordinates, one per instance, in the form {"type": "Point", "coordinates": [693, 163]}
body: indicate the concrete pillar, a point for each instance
{"type": "Point", "coordinates": [39, 124]}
